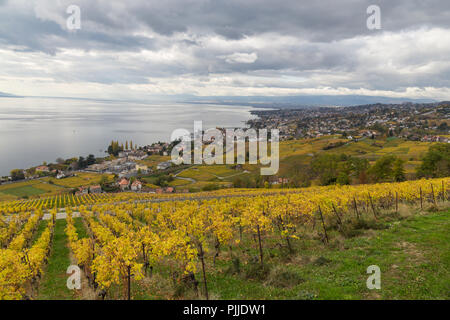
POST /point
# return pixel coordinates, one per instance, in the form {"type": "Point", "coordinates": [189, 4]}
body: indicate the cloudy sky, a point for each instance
{"type": "Point", "coordinates": [146, 48]}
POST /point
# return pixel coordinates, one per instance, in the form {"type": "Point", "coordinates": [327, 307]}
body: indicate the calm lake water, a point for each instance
{"type": "Point", "coordinates": [33, 130]}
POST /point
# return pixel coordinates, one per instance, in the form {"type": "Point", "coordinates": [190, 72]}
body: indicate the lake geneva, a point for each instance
{"type": "Point", "coordinates": [33, 130]}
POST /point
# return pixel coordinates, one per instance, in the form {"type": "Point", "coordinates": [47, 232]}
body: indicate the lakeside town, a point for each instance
{"type": "Point", "coordinates": [123, 164]}
{"type": "Point", "coordinates": [148, 168]}
{"type": "Point", "coordinates": [412, 121]}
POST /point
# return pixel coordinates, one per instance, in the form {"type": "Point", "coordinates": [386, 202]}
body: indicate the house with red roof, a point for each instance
{"type": "Point", "coordinates": [136, 186]}
{"type": "Point", "coordinates": [95, 189]}
{"type": "Point", "coordinates": [42, 169]}
{"type": "Point", "coordinates": [124, 184]}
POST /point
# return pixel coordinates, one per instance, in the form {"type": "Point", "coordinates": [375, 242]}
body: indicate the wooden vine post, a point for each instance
{"type": "Point", "coordinates": [396, 202]}
{"type": "Point", "coordinates": [434, 197]}
{"type": "Point", "coordinates": [356, 208]}
{"type": "Point", "coordinates": [261, 255]}
{"type": "Point", "coordinates": [338, 219]}
{"type": "Point", "coordinates": [391, 200]}
{"type": "Point", "coordinates": [129, 283]}
{"type": "Point", "coordinates": [323, 225]}
{"type": "Point", "coordinates": [337, 215]}
{"type": "Point", "coordinates": [93, 257]}
{"type": "Point", "coordinates": [421, 199]}
{"type": "Point", "coordinates": [202, 258]}
{"type": "Point", "coordinates": [373, 207]}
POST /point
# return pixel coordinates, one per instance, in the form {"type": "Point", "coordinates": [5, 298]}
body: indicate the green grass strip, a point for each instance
{"type": "Point", "coordinates": [81, 229]}
{"type": "Point", "coordinates": [413, 255]}
{"type": "Point", "coordinates": [53, 285]}
{"type": "Point", "coordinates": [42, 225]}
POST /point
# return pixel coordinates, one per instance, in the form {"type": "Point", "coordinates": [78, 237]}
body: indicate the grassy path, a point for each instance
{"type": "Point", "coordinates": [42, 226]}
{"type": "Point", "coordinates": [86, 292]}
{"type": "Point", "coordinates": [53, 284]}
{"type": "Point", "coordinates": [81, 229]}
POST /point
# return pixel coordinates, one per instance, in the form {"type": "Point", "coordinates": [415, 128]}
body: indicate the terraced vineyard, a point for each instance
{"type": "Point", "coordinates": [146, 246]}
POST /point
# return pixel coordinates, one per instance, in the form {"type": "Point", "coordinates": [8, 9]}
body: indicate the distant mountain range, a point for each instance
{"type": "Point", "coordinates": [7, 95]}
{"type": "Point", "coordinates": [309, 100]}
{"type": "Point", "coordinates": [269, 101]}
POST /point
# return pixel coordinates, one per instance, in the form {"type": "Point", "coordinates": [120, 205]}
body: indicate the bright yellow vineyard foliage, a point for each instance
{"type": "Point", "coordinates": [20, 265]}
{"type": "Point", "coordinates": [130, 232]}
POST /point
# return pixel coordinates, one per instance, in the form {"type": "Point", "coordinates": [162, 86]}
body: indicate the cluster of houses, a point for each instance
{"type": "Point", "coordinates": [125, 184]}
{"type": "Point", "coordinates": [58, 173]}
{"type": "Point", "coordinates": [136, 185]}
{"type": "Point", "coordinates": [123, 166]}
{"type": "Point", "coordinates": [274, 180]}
{"type": "Point", "coordinates": [89, 189]}
{"type": "Point", "coordinates": [5, 179]}
{"type": "Point", "coordinates": [164, 165]}
{"type": "Point", "coordinates": [435, 139]}
{"type": "Point", "coordinates": [313, 121]}
{"type": "Point", "coordinates": [363, 134]}
{"type": "Point", "coordinates": [157, 148]}
{"type": "Point", "coordinates": [44, 169]}
{"type": "Point", "coordinates": [133, 155]}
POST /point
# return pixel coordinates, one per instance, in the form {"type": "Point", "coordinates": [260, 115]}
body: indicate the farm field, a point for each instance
{"type": "Point", "coordinates": [198, 177]}
{"type": "Point", "coordinates": [47, 186]}
{"type": "Point", "coordinates": [201, 185]}
{"type": "Point", "coordinates": [179, 183]}
{"type": "Point", "coordinates": [310, 243]}
{"type": "Point", "coordinates": [367, 148]}
{"type": "Point", "coordinates": [81, 179]}
{"type": "Point", "coordinates": [28, 189]}
{"type": "Point", "coordinates": [300, 152]}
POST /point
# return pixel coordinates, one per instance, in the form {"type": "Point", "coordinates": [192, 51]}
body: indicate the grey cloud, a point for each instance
{"type": "Point", "coordinates": [325, 20]}
{"type": "Point", "coordinates": [326, 42]}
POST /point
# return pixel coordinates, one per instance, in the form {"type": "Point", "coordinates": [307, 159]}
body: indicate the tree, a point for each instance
{"type": "Point", "coordinates": [104, 180]}
{"type": "Point", "coordinates": [161, 181]}
{"type": "Point", "coordinates": [436, 162]}
{"type": "Point", "coordinates": [359, 168]}
{"type": "Point", "coordinates": [31, 171]}
{"type": "Point", "coordinates": [114, 148]}
{"type": "Point", "coordinates": [383, 169]}
{"type": "Point", "coordinates": [81, 162]}
{"type": "Point", "coordinates": [90, 159]}
{"type": "Point", "coordinates": [443, 127]}
{"type": "Point", "coordinates": [398, 170]}
{"type": "Point", "coordinates": [325, 166]}
{"type": "Point", "coordinates": [126, 145]}
{"type": "Point", "coordinates": [237, 182]}
{"type": "Point", "coordinates": [70, 161]}
{"type": "Point", "coordinates": [17, 174]}
{"type": "Point", "coordinates": [343, 178]}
